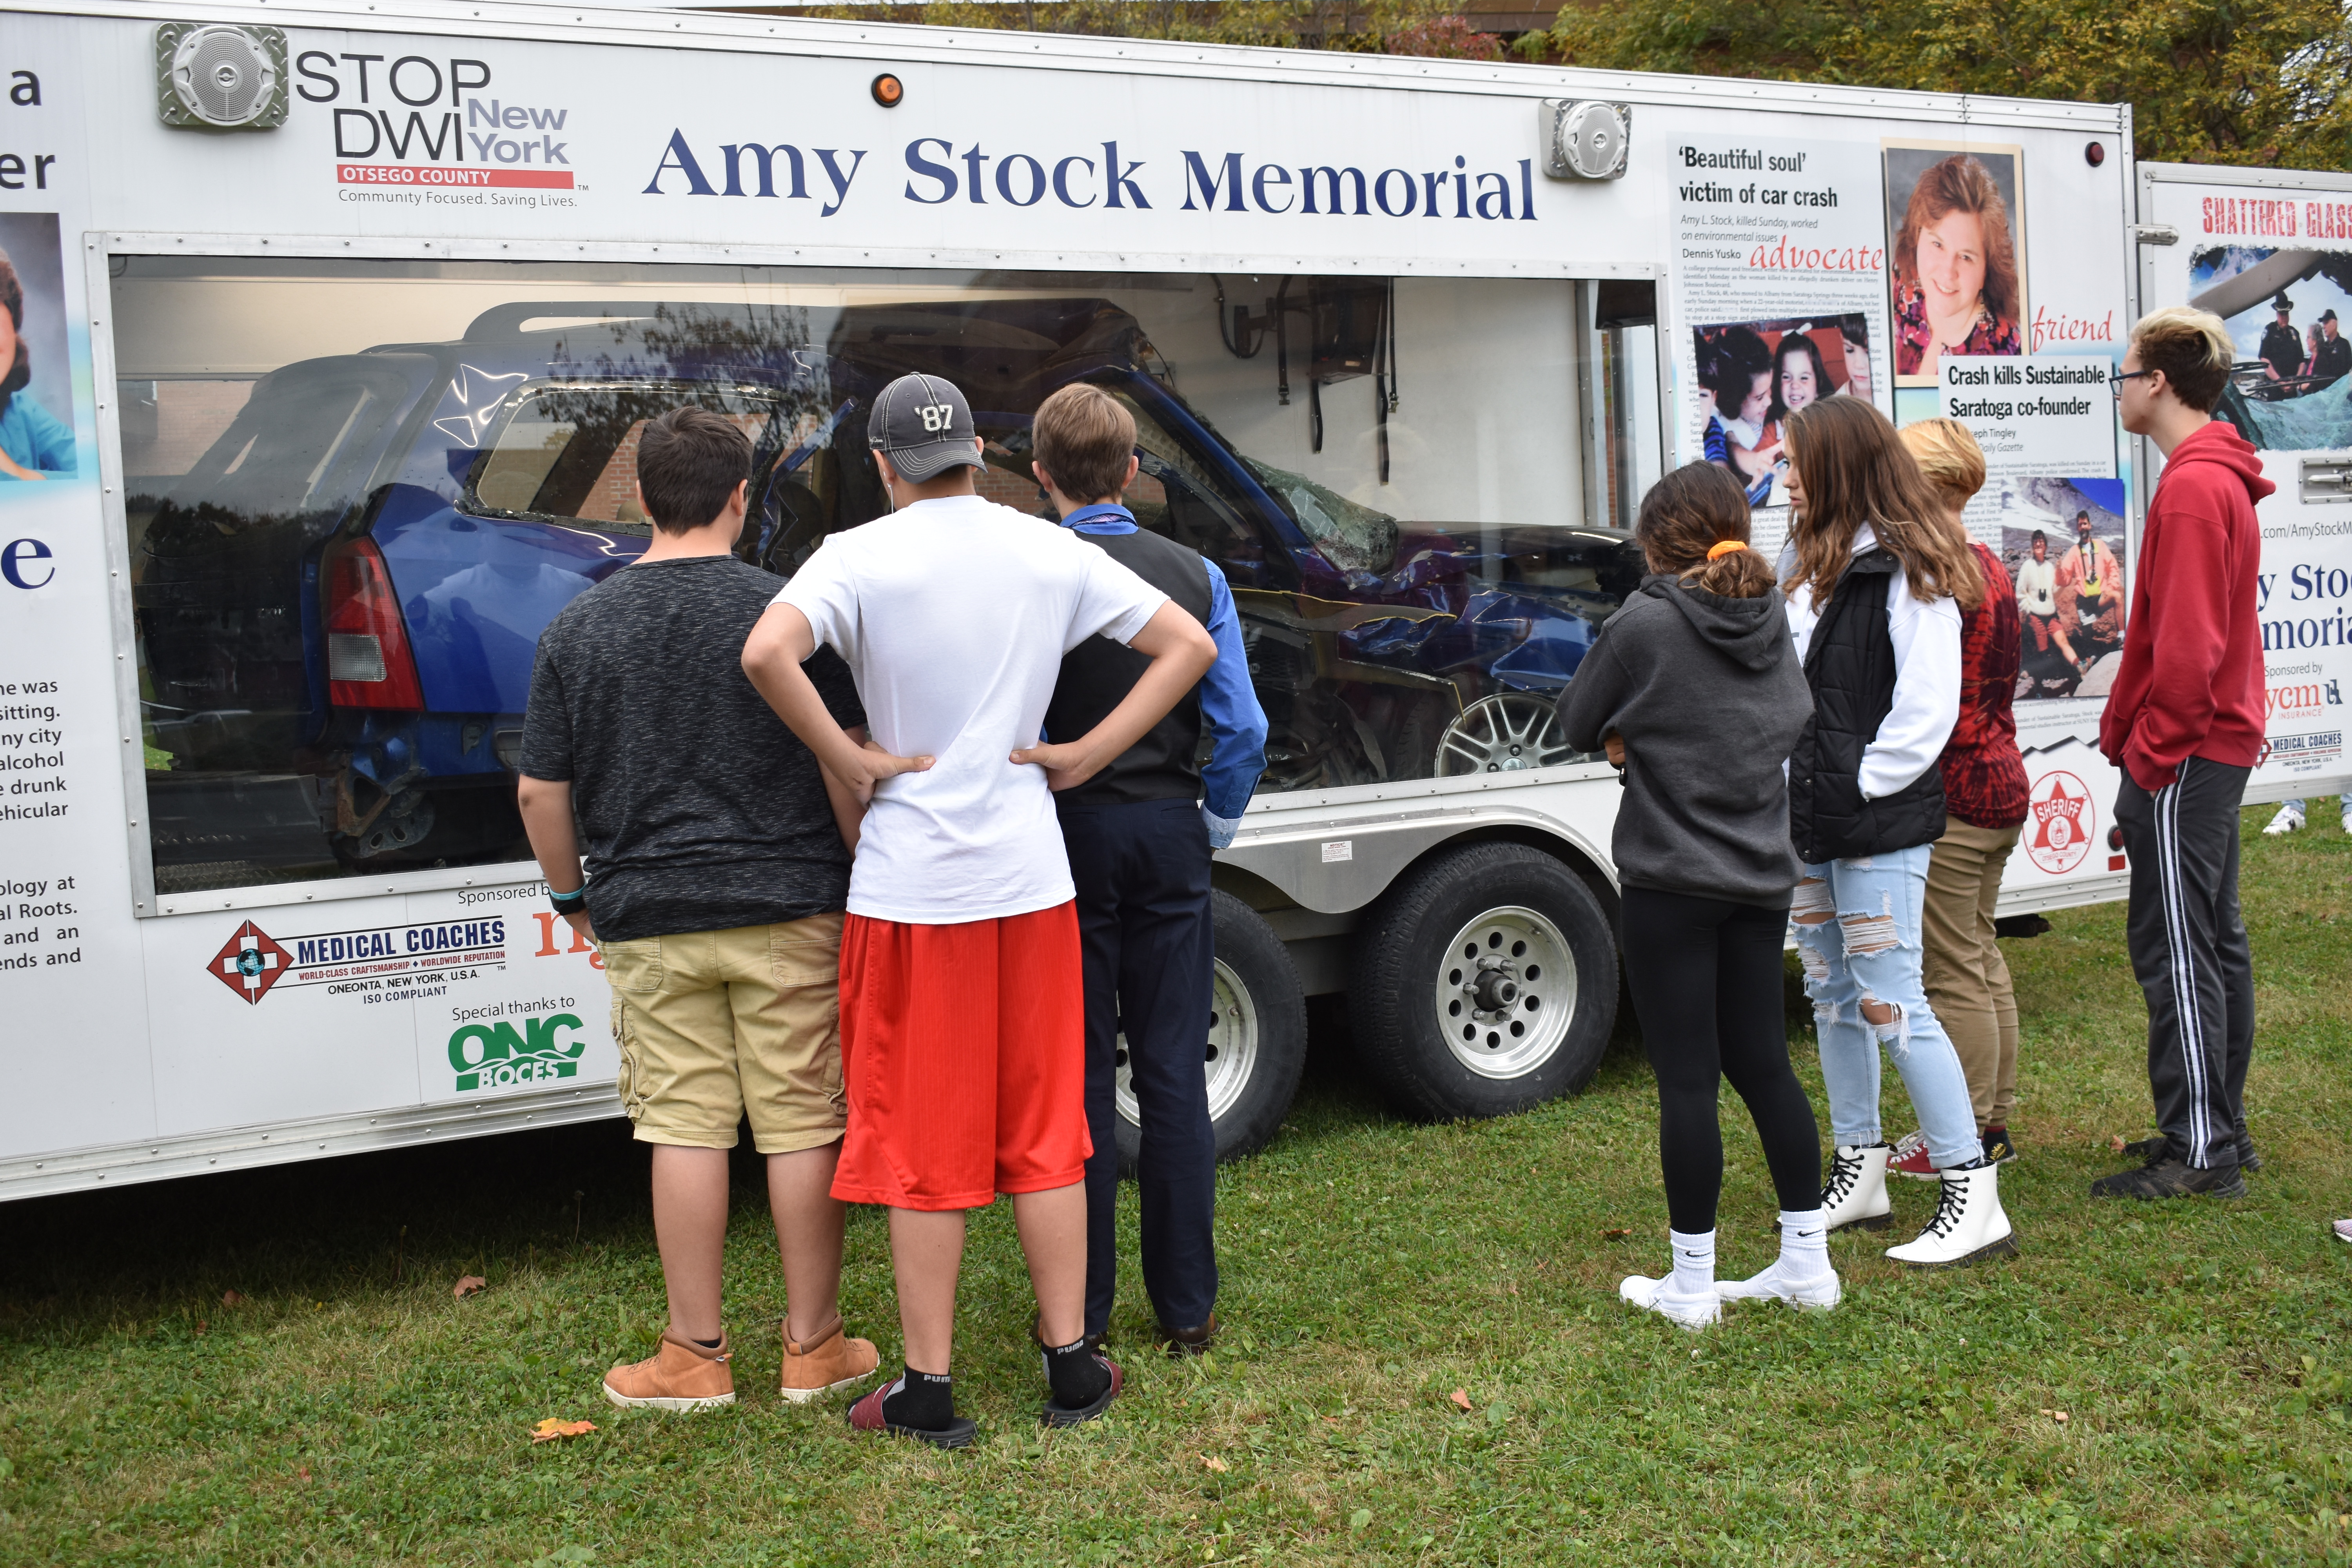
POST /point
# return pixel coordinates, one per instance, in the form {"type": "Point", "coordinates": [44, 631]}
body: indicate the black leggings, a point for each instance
{"type": "Point", "coordinates": [1705, 975]}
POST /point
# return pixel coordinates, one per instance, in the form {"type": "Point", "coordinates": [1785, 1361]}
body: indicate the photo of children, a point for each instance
{"type": "Point", "coordinates": [2286, 311]}
{"type": "Point", "coordinates": [1957, 260]}
{"type": "Point", "coordinates": [1753, 375]}
{"type": "Point", "coordinates": [2062, 541]}
{"type": "Point", "coordinates": [36, 438]}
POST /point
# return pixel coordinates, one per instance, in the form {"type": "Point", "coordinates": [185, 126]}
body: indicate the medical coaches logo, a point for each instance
{"type": "Point", "coordinates": [384, 962]}
{"type": "Point", "coordinates": [2061, 823]}
{"type": "Point", "coordinates": [250, 964]}
{"type": "Point", "coordinates": [414, 131]}
{"type": "Point", "coordinates": [500, 1055]}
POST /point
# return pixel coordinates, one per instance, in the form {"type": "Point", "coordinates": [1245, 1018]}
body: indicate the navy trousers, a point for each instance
{"type": "Point", "coordinates": [1142, 876]}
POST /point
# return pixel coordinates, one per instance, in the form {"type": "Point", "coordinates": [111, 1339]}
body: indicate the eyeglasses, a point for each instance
{"type": "Point", "coordinates": [2116, 386]}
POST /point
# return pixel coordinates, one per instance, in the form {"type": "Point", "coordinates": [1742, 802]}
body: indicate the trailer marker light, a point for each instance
{"type": "Point", "coordinates": [888, 90]}
{"type": "Point", "coordinates": [2094, 154]}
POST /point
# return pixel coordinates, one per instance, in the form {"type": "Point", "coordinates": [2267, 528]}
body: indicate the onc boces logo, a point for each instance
{"type": "Point", "coordinates": [498, 1056]}
{"type": "Point", "coordinates": [2059, 823]}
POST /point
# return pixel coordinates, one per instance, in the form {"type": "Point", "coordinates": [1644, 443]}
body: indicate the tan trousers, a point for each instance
{"type": "Point", "coordinates": [1966, 978]}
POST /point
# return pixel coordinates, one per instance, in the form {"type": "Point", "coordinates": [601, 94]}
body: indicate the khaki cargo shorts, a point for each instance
{"type": "Point", "coordinates": [715, 1024]}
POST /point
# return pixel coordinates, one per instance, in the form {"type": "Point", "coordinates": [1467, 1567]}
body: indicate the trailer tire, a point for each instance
{"type": "Point", "coordinates": [1258, 1034]}
{"type": "Point", "coordinates": [1463, 975]}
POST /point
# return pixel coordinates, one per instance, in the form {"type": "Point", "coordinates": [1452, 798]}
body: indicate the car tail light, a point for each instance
{"type": "Point", "coordinates": [368, 662]}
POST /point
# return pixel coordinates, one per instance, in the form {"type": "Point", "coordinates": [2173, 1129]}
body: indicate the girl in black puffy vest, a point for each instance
{"type": "Point", "coordinates": [1876, 578]}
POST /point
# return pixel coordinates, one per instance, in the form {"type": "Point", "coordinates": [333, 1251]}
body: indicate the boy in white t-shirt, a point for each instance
{"type": "Point", "coordinates": [962, 998]}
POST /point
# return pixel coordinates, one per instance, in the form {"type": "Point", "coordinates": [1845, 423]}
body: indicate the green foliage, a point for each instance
{"type": "Point", "coordinates": [1394, 27]}
{"type": "Point", "coordinates": [2209, 81]}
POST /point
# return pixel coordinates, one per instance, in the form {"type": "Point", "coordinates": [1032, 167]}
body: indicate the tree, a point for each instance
{"type": "Point", "coordinates": [2209, 81]}
{"type": "Point", "coordinates": [1389, 26]}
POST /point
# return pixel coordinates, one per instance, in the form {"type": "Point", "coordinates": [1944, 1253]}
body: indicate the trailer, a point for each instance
{"type": "Point", "coordinates": [2270, 252]}
{"type": "Point", "coordinates": [338, 329]}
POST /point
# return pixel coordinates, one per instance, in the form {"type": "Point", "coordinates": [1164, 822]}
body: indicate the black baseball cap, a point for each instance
{"type": "Point", "coordinates": [926, 426]}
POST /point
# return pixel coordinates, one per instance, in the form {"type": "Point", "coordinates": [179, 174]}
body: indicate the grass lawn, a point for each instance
{"type": "Point", "coordinates": [2200, 1352]}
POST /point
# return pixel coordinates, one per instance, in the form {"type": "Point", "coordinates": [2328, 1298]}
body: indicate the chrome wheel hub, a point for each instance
{"type": "Point", "coordinates": [1506, 991]}
{"type": "Point", "coordinates": [1231, 1050]}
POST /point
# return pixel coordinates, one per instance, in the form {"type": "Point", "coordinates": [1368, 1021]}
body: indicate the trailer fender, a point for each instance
{"type": "Point", "coordinates": [1334, 865]}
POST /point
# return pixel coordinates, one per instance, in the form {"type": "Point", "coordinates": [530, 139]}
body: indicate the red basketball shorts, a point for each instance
{"type": "Point", "coordinates": [963, 1048]}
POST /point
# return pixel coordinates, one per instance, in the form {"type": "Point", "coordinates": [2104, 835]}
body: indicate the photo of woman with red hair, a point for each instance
{"type": "Point", "coordinates": [1959, 282]}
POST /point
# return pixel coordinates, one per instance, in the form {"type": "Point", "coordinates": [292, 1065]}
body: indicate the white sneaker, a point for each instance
{"type": "Point", "coordinates": [2288, 820]}
{"type": "Point", "coordinates": [1855, 1194]}
{"type": "Point", "coordinates": [1691, 1312]}
{"type": "Point", "coordinates": [1969, 1223]}
{"type": "Point", "coordinates": [1779, 1283]}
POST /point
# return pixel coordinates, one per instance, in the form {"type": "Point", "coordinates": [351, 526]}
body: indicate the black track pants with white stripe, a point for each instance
{"type": "Point", "coordinates": [2188, 949]}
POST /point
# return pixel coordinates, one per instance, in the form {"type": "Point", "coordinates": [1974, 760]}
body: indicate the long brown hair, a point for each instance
{"type": "Point", "coordinates": [1961, 183]}
{"type": "Point", "coordinates": [1687, 514]}
{"type": "Point", "coordinates": [1854, 469]}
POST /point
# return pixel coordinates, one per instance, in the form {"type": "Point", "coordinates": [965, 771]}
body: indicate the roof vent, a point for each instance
{"type": "Point", "coordinates": [1584, 139]}
{"type": "Point", "coordinates": [213, 76]}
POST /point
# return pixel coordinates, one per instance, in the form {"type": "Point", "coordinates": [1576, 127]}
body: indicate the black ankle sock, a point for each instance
{"type": "Point", "coordinates": [924, 1399]}
{"type": "Point", "coordinates": [1075, 1375]}
{"type": "Point", "coordinates": [712, 1344]}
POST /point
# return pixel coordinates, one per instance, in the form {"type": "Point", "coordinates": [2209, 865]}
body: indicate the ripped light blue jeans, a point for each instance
{"type": "Point", "coordinates": [1857, 929]}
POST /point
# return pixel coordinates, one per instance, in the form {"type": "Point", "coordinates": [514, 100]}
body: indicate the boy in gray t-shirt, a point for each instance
{"type": "Point", "coordinates": [719, 854]}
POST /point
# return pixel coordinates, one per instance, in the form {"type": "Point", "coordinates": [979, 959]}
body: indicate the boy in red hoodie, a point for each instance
{"type": "Point", "coordinates": [2184, 723]}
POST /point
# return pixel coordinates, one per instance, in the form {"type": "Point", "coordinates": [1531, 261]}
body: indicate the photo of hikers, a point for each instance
{"type": "Point", "coordinates": [1753, 375]}
{"type": "Point", "coordinates": [2063, 544]}
{"type": "Point", "coordinates": [1956, 254]}
{"type": "Point", "coordinates": [2286, 311]}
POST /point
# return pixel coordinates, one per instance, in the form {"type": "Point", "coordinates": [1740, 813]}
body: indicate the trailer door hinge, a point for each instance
{"type": "Point", "coordinates": [2325, 479]}
{"type": "Point", "coordinates": [2156, 234]}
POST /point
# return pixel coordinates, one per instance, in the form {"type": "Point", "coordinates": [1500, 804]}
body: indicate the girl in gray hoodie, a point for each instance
{"type": "Point", "coordinates": [1695, 690]}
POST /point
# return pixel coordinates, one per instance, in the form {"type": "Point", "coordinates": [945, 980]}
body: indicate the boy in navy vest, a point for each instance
{"type": "Point", "coordinates": [1140, 834]}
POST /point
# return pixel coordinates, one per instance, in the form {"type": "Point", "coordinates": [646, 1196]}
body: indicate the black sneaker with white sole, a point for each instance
{"type": "Point", "coordinates": [2152, 1151]}
{"type": "Point", "coordinates": [2170, 1178]}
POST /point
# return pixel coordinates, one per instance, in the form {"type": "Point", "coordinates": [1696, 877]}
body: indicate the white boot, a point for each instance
{"type": "Point", "coordinates": [2288, 820]}
{"type": "Point", "coordinates": [1685, 1296]}
{"type": "Point", "coordinates": [1800, 1276]}
{"type": "Point", "coordinates": [1855, 1194]}
{"type": "Point", "coordinates": [1969, 1223]}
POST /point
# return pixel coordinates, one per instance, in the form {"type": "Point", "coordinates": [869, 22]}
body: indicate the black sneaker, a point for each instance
{"type": "Point", "coordinates": [2170, 1178]}
{"type": "Point", "coordinates": [2150, 1150]}
{"type": "Point", "coordinates": [1999, 1147]}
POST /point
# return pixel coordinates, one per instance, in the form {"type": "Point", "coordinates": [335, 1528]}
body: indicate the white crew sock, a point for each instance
{"type": "Point", "coordinates": [1804, 1244]}
{"type": "Point", "coordinates": [1694, 1272]}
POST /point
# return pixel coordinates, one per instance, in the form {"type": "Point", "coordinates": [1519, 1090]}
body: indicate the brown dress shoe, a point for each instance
{"type": "Point", "coordinates": [1190, 1341]}
{"type": "Point", "coordinates": [827, 1360]}
{"type": "Point", "coordinates": [681, 1375]}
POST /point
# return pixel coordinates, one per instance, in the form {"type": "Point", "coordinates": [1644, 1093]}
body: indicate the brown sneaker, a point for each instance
{"type": "Point", "coordinates": [681, 1375]}
{"type": "Point", "coordinates": [826, 1360]}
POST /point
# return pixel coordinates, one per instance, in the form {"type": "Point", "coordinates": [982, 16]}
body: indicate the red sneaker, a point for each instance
{"type": "Point", "coordinates": [1910, 1158]}
{"type": "Point", "coordinates": [867, 1416]}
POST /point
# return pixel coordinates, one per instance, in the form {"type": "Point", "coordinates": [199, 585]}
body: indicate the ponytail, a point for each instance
{"type": "Point", "coordinates": [1693, 523]}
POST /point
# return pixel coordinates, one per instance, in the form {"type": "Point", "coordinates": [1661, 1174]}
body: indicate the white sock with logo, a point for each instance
{"type": "Point", "coordinates": [1694, 1273]}
{"type": "Point", "coordinates": [1804, 1244]}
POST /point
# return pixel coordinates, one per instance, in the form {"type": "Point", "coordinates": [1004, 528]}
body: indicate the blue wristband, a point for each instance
{"type": "Point", "coordinates": [571, 902]}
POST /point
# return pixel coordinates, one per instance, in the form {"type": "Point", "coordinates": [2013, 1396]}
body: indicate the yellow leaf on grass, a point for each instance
{"type": "Point", "coordinates": [1215, 1464]}
{"type": "Point", "coordinates": [550, 1429]}
{"type": "Point", "coordinates": [466, 1285]}
{"type": "Point", "coordinates": [1462, 1399]}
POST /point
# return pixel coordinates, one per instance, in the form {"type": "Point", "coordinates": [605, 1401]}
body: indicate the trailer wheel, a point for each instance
{"type": "Point", "coordinates": [1257, 1044]}
{"type": "Point", "coordinates": [1486, 983]}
